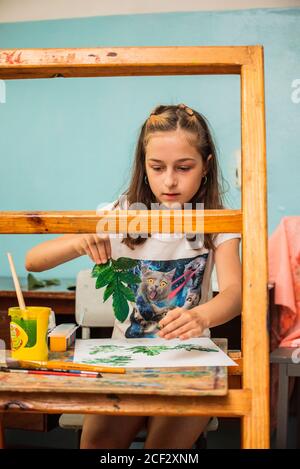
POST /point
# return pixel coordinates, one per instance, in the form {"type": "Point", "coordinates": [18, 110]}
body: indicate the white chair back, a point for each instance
{"type": "Point", "coordinates": [90, 309]}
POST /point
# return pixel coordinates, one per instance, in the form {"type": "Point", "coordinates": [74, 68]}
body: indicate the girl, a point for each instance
{"type": "Point", "coordinates": [175, 163]}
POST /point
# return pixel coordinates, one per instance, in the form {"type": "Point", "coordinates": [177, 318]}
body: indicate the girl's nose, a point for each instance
{"type": "Point", "coordinates": [170, 180]}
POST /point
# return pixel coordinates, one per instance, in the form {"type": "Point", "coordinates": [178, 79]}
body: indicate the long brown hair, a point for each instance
{"type": "Point", "coordinates": [170, 118]}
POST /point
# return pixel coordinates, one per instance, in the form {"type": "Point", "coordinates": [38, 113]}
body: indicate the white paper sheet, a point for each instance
{"type": "Point", "coordinates": [149, 353]}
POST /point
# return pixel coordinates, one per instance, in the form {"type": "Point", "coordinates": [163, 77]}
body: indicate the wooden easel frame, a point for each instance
{"type": "Point", "coordinates": [251, 403]}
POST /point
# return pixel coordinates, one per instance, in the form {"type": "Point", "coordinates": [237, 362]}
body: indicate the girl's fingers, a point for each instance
{"type": "Point", "coordinates": [174, 325]}
{"type": "Point", "coordinates": [102, 253]}
{"type": "Point", "coordinates": [180, 330]}
{"type": "Point", "coordinates": [88, 252]}
{"type": "Point", "coordinates": [95, 247]}
{"type": "Point", "coordinates": [92, 250]}
{"type": "Point", "coordinates": [190, 334]}
{"type": "Point", "coordinates": [103, 246]}
{"type": "Point", "coordinates": [108, 248]}
{"type": "Point", "coordinates": [170, 316]}
{"type": "Point", "coordinates": [95, 253]}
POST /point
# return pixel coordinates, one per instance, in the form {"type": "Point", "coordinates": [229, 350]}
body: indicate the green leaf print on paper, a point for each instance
{"type": "Point", "coordinates": [158, 349]}
{"type": "Point", "coordinates": [103, 349]}
{"type": "Point", "coordinates": [198, 348]}
{"type": "Point", "coordinates": [114, 360]}
{"type": "Point", "coordinates": [114, 275]}
{"type": "Point", "coordinates": [148, 350]}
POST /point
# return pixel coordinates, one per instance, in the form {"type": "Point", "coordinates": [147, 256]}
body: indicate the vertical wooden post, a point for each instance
{"type": "Point", "coordinates": [255, 343]}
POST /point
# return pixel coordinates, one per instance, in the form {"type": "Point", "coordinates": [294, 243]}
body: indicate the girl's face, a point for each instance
{"type": "Point", "coordinates": [174, 168]}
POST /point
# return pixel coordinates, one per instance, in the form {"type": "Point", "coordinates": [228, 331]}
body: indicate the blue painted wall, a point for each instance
{"type": "Point", "coordinates": [68, 144]}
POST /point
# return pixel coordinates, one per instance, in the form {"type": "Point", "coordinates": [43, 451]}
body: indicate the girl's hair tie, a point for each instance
{"type": "Point", "coordinates": [156, 116]}
{"type": "Point", "coordinates": [187, 109]}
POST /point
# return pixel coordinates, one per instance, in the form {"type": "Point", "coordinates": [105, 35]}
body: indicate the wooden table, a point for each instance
{"type": "Point", "coordinates": [62, 301]}
{"type": "Point", "coordinates": [155, 391]}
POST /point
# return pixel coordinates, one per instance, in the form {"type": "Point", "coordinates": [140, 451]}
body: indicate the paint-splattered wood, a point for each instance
{"type": "Point", "coordinates": [164, 391]}
{"type": "Point", "coordinates": [189, 381]}
{"type": "Point", "coordinates": [237, 403]}
{"type": "Point", "coordinates": [145, 221]}
{"type": "Point", "coordinates": [122, 61]}
{"type": "Point", "coordinates": [172, 382]}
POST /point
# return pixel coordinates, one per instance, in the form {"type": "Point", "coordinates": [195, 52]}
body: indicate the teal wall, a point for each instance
{"type": "Point", "coordinates": [67, 144]}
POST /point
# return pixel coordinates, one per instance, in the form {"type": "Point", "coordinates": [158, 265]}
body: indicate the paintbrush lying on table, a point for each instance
{"type": "Point", "coordinates": [60, 366]}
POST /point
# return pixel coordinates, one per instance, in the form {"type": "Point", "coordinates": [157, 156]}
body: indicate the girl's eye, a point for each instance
{"type": "Point", "coordinates": [184, 168]}
{"type": "Point", "coordinates": [181, 168]}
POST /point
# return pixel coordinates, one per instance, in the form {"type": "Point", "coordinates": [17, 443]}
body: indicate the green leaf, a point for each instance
{"type": "Point", "coordinates": [109, 290]}
{"type": "Point", "coordinates": [129, 277]}
{"type": "Point", "coordinates": [112, 274]}
{"type": "Point", "coordinates": [33, 282]}
{"type": "Point", "coordinates": [52, 281]}
{"type": "Point", "coordinates": [99, 268]}
{"type": "Point", "coordinates": [127, 292]}
{"type": "Point", "coordinates": [120, 306]}
{"type": "Point", "coordinates": [124, 263]}
{"type": "Point", "coordinates": [105, 277]}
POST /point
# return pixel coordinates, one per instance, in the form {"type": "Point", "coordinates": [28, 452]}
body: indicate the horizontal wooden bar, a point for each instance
{"type": "Point", "coordinates": [236, 403]}
{"type": "Point", "coordinates": [123, 61]}
{"type": "Point", "coordinates": [122, 221]}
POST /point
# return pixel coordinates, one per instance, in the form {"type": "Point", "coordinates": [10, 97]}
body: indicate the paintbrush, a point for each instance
{"type": "Point", "coordinates": [61, 365]}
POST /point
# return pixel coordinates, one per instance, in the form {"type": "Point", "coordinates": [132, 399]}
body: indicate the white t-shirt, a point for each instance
{"type": "Point", "coordinates": [167, 271]}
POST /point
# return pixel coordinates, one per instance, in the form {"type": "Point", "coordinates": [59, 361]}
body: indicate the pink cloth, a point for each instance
{"type": "Point", "coordinates": [284, 271]}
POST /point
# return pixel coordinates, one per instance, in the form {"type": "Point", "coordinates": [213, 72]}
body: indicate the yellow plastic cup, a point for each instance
{"type": "Point", "coordinates": [28, 332]}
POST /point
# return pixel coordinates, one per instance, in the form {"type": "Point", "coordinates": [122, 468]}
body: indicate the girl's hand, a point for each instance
{"type": "Point", "coordinates": [183, 323]}
{"type": "Point", "coordinates": [96, 246]}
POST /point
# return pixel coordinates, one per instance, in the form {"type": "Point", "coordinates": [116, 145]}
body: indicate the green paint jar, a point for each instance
{"type": "Point", "coordinates": [28, 332]}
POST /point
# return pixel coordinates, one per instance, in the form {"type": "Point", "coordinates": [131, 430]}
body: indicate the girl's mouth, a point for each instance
{"type": "Point", "coordinates": [171, 196]}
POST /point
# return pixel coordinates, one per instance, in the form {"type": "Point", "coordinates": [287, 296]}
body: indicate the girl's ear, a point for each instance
{"type": "Point", "coordinates": [208, 158]}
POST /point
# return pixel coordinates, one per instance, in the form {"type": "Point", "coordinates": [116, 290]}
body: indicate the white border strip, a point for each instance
{"type": "Point", "coordinates": [36, 10]}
